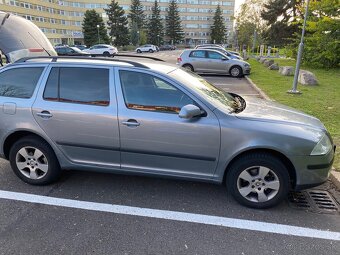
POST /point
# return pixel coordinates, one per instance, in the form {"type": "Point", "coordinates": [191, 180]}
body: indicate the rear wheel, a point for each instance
{"type": "Point", "coordinates": [236, 71]}
{"type": "Point", "coordinates": [106, 54]}
{"type": "Point", "coordinates": [34, 161]}
{"type": "Point", "coordinates": [188, 67]}
{"type": "Point", "coordinates": [258, 180]}
{"type": "Point", "coordinates": [139, 51]}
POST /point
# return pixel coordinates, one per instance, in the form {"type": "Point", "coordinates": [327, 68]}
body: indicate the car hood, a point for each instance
{"type": "Point", "coordinates": [264, 110]}
{"type": "Point", "coordinates": [21, 38]}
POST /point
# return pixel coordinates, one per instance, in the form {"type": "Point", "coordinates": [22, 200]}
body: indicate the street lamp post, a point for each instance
{"type": "Point", "coordinates": [98, 33]}
{"type": "Point", "coordinates": [138, 37]}
{"type": "Point", "coordinates": [299, 56]}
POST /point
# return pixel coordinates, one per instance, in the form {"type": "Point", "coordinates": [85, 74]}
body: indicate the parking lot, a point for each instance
{"type": "Point", "coordinates": [97, 213]}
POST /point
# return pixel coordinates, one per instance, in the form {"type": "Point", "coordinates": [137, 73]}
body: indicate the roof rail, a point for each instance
{"type": "Point", "coordinates": [138, 56]}
{"type": "Point", "coordinates": [55, 58]}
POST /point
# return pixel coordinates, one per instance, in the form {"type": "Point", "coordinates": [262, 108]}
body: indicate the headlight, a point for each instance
{"type": "Point", "coordinates": [322, 147]}
{"type": "Point", "coordinates": [246, 65]}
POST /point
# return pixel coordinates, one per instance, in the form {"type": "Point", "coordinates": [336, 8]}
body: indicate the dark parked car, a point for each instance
{"type": "Point", "coordinates": [71, 51]}
{"type": "Point", "coordinates": [81, 47]}
{"type": "Point", "coordinates": [167, 47]}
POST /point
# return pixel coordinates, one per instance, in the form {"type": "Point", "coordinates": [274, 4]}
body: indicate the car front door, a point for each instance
{"type": "Point", "coordinates": [153, 137]}
{"type": "Point", "coordinates": [217, 62]}
{"type": "Point", "coordinates": [77, 110]}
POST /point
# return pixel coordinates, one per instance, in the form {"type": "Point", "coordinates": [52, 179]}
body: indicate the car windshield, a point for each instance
{"type": "Point", "coordinates": [215, 95]}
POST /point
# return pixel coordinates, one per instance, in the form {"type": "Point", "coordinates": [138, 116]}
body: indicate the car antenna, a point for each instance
{"type": "Point", "coordinates": [39, 44]}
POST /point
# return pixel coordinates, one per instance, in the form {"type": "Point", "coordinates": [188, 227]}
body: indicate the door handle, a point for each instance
{"type": "Point", "coordinates": [44, 114]}
{"type": "Point", "coordinates": [131, 123]}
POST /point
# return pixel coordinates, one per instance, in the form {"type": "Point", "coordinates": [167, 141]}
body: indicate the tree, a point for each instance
{"type": "Point", "coordinates": [174, 29]}
{"type": "Point", "coordinates": [218, 29]}
{"type": "Point", "coordinates": [118, 24]}
{"type": "Point", "coordinates": [90, 30]}
{"type": "Point", "coordinates": [134, 34]}
{"type": "Point", "coordinates": [282, 17]}
{"type": "Point", "coordinates": [249, 23]}
{"type": "Point", "coordinates": [322, 41]}
{"type": "Point", "coordinates": [136, 14]}
{"type": "Point", "coordinates": [155, 26]}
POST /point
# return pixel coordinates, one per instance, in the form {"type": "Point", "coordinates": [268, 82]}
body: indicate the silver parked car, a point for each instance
{"type": "Point", "coordinates": [152, 118]}
{"type": "Point", "coordinates": [212, 61]}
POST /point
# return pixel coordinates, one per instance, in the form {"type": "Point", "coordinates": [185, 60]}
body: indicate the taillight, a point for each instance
{"type": "Point", "coordinates": [179, 59]}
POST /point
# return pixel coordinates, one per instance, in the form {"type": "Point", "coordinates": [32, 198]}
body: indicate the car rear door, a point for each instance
{"type": "Point", "coordinates": [153, 137]}
{"type": "Point", "coordinates": [78, 111]}
{"type": "Point", "coordinates": [198, 60]}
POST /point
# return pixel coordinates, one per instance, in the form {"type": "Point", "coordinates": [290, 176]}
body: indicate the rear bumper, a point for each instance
{"type": "Point", "coordinates": [312, 171]}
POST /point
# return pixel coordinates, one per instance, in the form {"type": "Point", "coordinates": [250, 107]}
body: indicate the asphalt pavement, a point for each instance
{"type": "Point", "coordinates": [97, 213]}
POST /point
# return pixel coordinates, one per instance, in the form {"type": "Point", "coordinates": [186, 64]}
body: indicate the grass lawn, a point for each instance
{"type": "Point", "coordinates": [322, 101]}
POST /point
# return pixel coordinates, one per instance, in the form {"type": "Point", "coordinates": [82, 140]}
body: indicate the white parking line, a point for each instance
{"type": "Point", "coordinates": [173, 215]}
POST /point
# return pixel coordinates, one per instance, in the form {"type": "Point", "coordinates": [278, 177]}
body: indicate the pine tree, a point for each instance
{"type": "Point", "coordinates": [134, 34]}
{"type": "Point", "coordinates": [218, 29]}
{"type": "Point", "coordinates": [136, 14]}
{"type": "Point", "coordinates": [282, 18]}
{"type": "Point", "coordinates": [90, 30]}
{"type": "Point", "coordinates": [155, 26]}
{"type": "Point", "coordinates": [174, 28]}
{"type": "Point", "coordinates": [118, 24]}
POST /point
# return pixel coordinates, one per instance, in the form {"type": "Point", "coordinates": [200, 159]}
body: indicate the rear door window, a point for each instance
{"type": "Point", "coordinates": [197, 54]}
{"type": "Point", "coordinates": [19, 82]}
{"type": "Point", "coordinates": [78, 85]}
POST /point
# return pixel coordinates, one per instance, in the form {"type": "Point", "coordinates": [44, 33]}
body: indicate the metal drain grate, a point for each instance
{"type": "Point", "coordinates": [319, 201]}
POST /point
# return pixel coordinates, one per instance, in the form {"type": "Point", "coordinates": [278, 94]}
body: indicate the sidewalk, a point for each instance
{"type": "Point", "coordinates": [334, 176]}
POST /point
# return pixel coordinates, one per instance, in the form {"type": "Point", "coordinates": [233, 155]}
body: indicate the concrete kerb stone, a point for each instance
{"type": "Point", "coordinates": [334, 175]}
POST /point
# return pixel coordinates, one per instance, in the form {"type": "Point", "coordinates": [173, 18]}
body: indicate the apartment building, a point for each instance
{"type": "Point", "coordinates": [61, 20]}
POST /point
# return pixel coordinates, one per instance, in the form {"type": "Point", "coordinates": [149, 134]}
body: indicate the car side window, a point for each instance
{"type": "Point", "coordinates": [149, 93]}
{"type": "Point", "coordinates": [78, 85]}
{"type": "Point", "coordinates": [197, 54]}
{"type": "Point", "coordinates": [214, 55]}
{"type": "Point", "coordinates": [19, 82]}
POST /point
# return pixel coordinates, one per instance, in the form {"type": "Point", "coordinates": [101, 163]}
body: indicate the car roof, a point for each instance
{"type": "Point", "coordinates": [147, 64]}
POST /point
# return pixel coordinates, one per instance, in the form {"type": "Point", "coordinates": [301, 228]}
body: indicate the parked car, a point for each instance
{"type": "Point", "coordinates": [21, 38]}
{"type": "Point", "coordinates": [155, 119]}
{"type": "Point", "coordinates": [209, 45]}
{"type": "Point", "coordinates": [167, 47]}
{"type": "Point", "coordinates": [81, 47]}
{"type": "Point", "coordinates": [102, 50]}
{"type": "Point", "coordinates": [71, 51]}
{"type": "Point", "coordinates": [146, 48]}
{"type": "Point", "coordinates": [225, 52]}
{"type": "Point", "coordinates": [212, 61]}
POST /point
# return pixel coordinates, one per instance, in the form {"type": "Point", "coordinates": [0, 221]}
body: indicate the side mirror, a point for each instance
{"type": "Point", "coordinates": [189, 111]}
{"type": "Point", "coordinates": [224, 59]}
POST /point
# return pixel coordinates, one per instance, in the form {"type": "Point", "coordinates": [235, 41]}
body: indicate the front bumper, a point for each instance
{"type": "Point", "coordinates": [246, 70]}
{"type": "Point", "coordinates": [312, 171]}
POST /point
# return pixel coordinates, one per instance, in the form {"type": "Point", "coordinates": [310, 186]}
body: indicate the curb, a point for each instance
{"type": "Point", "coordinates": [334, 176]}
{"type": "Point", "coordinates": [262, 94]}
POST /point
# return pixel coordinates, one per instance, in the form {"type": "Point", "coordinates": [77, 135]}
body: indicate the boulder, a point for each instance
{"type": "Point", "coordinates": [307, 78]}
{"type": "Point", "coordinates": [274, 66]}
{"type": "Point", "coordinates": [286, 70]}
{"type": "Point", "coordinates": [257, 58]}
{"type": "Point", "coordinates": [268, 62]}
{"type": "Point", "coordinates": [262, 60]}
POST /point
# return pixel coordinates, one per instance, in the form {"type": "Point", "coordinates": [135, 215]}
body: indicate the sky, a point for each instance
{"type": "Point", "coordinates": [238, 3]}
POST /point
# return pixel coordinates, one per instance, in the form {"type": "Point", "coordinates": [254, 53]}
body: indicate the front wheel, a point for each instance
{"type": "Point", "coordinates": [258, 180]}
{"type": "Point", "coordinates": [34, 161]}
{"type": "Point", "coordinates": [151, 51]}
{"type": "Point", "coordinates": [236, 71]}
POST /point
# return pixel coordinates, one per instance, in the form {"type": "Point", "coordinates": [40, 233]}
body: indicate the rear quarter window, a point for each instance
{"type": "Point", "coordinates": [19, 82]}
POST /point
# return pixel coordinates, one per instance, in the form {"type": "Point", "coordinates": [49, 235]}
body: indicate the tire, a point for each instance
{"type": "Point", "coordinates": [236, 71]}
{"type": "Point", "coordinates": [189, 67]}
{"type": "Point", "coordinates": [151, 51]}
{"type": "Point", "coordinates": [248, 182]}
{"type": "Point", "coordinates": [139, 51]}
{"type": "Point", "coordinates": [106, 54]}
{"type": "Point", "coordinates": [36, 159]}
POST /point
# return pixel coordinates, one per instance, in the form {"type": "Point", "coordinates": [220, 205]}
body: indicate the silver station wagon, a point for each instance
{"type": "Point", "coordinates": [151, 118]}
